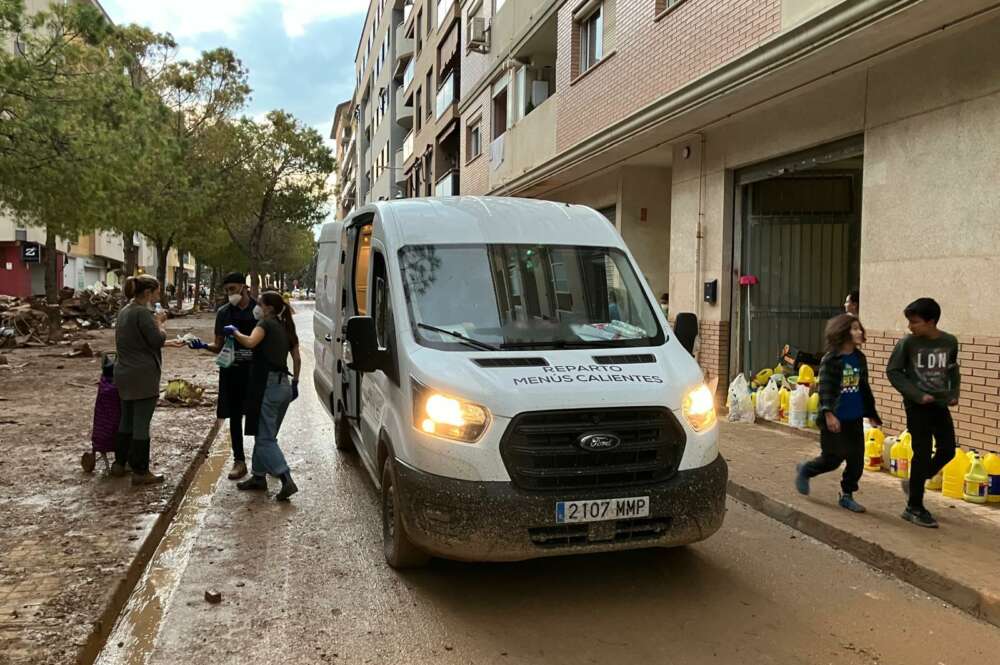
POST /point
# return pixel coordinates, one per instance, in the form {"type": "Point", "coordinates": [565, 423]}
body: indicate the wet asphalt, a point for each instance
{"type": "Point", "coordinates": [305, 582]}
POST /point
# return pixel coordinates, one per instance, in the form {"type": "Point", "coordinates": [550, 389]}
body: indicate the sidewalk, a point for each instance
{"type": "Point", "coordinates": [957, 562]}
{"type": "Point", "coordinates": [74, 543]}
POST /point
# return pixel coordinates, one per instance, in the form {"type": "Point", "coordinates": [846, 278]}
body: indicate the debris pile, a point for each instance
{"type": "Point", "coordinates": [183, 393]}
{"type": "Point", "coordinates": [30, 322]}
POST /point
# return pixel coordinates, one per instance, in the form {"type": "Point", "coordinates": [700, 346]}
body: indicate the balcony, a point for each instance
{"type": "Point", "coordinates": [408, 147]}
{"type": "Point", "coordinates": [447, 185]}
{"type": "Point", "coordinates": [404, 112]}
{"type": "Point", "coordinates": [447, 95]}
{"type": "Point", "coordinates": [397, 167]}
{"type": "Point", "coordinates": [528, 144]}
{"type": "Point", "coordinates": [408, 76]}
{"type": "Point", "coordinates": [404, 51]}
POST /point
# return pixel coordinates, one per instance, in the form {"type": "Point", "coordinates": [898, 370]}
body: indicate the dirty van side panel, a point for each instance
{"type": "Point", "coordinates": [324, 320]}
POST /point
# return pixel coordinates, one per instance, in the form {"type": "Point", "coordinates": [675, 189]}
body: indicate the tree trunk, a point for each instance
{"type": "Point", "coordinates": [255, 278]}
{"type": "Point", "coordinates": [161, 270]}
{"type": "Point", "coordinates": [197, 283]}
{"type": "Point", "coordinates": [180, 281]}
{"type": "Point", "coordinates": [51, 268]}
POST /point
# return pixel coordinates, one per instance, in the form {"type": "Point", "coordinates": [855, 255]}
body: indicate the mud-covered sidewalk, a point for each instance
{"type": "Point", "coordinates": [71, 539]}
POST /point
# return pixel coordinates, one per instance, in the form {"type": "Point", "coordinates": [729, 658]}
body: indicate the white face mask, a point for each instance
{"type": "Point", "coordinates": [258, 313]}
{"type": "Point", "coordinates": [235, 299]}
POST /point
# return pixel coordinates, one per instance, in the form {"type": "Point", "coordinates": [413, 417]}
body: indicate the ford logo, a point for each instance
{"type": "Point", "coordinates": [596, 443]}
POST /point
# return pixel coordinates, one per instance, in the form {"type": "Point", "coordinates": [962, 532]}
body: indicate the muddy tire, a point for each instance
{"type": "Point", "coordinates": [342, 435]}
{"type": "Point", "coordinates": [399, 551]}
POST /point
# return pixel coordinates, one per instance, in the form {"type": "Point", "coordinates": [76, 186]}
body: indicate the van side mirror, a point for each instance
{"type": "Point", "coordinates": [686, 330]}
{"type": "Point", "coordinates": [364, 354]}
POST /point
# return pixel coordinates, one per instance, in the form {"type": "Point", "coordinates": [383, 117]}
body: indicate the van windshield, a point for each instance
{"type": "Point", "coordinates": [525, 297]}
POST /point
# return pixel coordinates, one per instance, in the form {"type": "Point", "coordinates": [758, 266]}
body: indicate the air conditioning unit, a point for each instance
{"type": "Point", "coordinates": [479, 34]}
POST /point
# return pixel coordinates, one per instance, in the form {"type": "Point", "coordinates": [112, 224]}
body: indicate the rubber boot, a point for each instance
{"type": "Point", "coordinates": [140, 464]}
{"type": "Point", "coordinates": [253, 483]}
{"type": "Point", "coordinates": [123, 445]}
{"type": "Point", "coordinates": [288, 487]}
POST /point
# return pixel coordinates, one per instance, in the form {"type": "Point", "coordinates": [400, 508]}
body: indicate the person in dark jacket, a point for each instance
{"type": "Point", "coordinates": [234, 381]}
{"type": "Point", "coordinates": [272, 341]}
{"type": "Point", "coordinates": [139, 337]}
{"type": "Point", "coordinates": [845, 399]}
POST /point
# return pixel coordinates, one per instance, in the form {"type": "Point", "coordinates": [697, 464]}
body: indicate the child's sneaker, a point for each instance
{"type": "Point", "coordinates": [920, 517]}
{"type": "Point", "coordinates": [847, 501]}
{"type": "Point", "coordinates": [801, 480]}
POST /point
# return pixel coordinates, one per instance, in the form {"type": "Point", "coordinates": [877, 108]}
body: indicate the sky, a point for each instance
{"type": "Point", "coordinates": [299, 53]}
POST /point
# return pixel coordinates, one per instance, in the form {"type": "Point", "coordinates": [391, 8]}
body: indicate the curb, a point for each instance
{"type": "Point", "coordinates": [102, 627]}
{"type": "Point", "coordinates": [982, 606]}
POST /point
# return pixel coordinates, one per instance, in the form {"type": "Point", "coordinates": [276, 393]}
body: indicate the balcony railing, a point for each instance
{"type": "Point", "coordinates": [444, 7]}
{"type": "Point", "coordinates": [446, 95]}
{"type": "Point", "coordinates": [408, 146]}
{"type": "Point", "coordinates": [408, 74]}
{"type": "Point", "coordinates": [447, 185]}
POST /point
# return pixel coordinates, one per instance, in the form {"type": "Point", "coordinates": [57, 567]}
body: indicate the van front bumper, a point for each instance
{"type": "Point", "coordinates": [496, 521]}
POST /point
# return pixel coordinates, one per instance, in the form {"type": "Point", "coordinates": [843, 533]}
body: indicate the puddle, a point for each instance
{"type": "Point", "coordinates": [134, 636]}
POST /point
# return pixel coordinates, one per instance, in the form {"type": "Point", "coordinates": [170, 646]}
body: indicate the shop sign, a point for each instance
{"type": "Point", "coordinates": [31, 252]}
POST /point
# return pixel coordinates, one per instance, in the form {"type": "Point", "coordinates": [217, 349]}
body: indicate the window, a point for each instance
{"type": "Point", "coordinates": [418, 100]}
{"type": "Point", "coordinates": [664, 5]}
{"type": "Point", "coordinates": [500, 113]}
{"type": "Point", "coordinates": [592, 39]}
{"type": "Point", "coordinates": [419, 32]}
{"type": "Point", "coordinates": [429, 90]}
{"type": "Point", "coordinates": [474, 141]}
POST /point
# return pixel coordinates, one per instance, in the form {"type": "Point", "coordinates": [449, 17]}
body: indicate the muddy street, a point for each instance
{"type": "Point", "coordinates": [306, 582]}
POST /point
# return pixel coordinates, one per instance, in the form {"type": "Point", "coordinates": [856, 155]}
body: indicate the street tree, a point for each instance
{"type": "Point", "coordinates": [280, 169]}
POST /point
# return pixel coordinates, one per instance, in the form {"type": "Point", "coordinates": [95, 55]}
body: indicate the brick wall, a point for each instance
{"type": "Point", "coordinates": [713, 352]}
{"type": "Point", "coordinates": [652, 58]}
{"type": "Point", "coordinates": [977, 416]}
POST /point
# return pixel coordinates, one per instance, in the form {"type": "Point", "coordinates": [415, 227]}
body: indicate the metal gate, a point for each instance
{"type": "Point", "coordinates": [801, 238]}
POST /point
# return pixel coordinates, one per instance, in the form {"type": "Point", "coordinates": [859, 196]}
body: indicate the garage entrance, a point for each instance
{"type": "Point", "coordinates": [800, 221]}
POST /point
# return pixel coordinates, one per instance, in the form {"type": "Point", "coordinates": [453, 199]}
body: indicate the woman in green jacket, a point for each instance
{"type": "Point", "coordinates": [139, 338]}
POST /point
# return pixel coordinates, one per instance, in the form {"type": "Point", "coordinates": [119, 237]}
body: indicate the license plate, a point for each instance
{"type": "Point", "coordinates": [599, 510]}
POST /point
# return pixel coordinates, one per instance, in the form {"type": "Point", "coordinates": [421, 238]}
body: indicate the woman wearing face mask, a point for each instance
{"type": "Point", "coordinates": [272, 341]}
{"type": "Point", "coordinates": [139, 338]}
{"type": "Point", "coordinates": [235, 379]}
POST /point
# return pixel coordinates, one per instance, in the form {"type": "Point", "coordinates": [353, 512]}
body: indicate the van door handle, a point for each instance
{"type": "Point", "coordinates": [328, 338]}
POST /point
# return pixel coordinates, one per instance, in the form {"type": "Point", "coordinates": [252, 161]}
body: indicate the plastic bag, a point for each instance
{"type": "Point", "coordinates": [769, 401]}
{"type": "Point", "coordinates": [798, 407]}
{"type": "Point", "coordinates": [739, 402]}
{"type": "Point", "coordinates": [227, 356]}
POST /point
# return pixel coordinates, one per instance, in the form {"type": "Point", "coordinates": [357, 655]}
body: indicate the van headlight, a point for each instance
{"type": "Point", "coordinates": [446, 416]}
{"type": "Point", "coordinates": [699, 408]}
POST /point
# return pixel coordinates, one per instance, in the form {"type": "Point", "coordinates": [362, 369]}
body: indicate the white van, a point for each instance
{"type": "Point", "coordinates": [511, 384]}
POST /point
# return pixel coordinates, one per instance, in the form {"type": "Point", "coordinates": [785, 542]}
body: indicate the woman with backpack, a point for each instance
{"type": "Point", "coordinates": [272, 389]}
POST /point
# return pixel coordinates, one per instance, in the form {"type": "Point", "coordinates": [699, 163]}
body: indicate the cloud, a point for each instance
{"type": "Point", "coordinates": [190, 18]}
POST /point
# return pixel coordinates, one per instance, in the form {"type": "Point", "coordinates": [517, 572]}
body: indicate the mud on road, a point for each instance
{"type": "Point", "coordinates": [68, 537]}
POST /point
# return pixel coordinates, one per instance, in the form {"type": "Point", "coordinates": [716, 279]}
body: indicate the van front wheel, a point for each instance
{"type": "Point", "coordinates": [399, 551]}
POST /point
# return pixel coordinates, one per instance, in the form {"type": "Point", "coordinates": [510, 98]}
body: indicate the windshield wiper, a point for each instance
{"type": "Point", "coordinates": [459, 336]}
{"type": "Point", "coordinates": [564, 344]}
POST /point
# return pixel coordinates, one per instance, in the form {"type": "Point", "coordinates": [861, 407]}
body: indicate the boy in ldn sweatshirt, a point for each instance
{"type": "Point", "coordinates": [924, 369]}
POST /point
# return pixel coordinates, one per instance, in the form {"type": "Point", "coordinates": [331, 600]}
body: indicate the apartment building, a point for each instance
{"type": "Point", "coordinates": [762, 158]}
{"type": "Point", "coordinates": [343, 133]}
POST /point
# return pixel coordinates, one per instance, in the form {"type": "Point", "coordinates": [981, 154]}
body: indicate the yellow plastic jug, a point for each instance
{"type": "Point", "coordinates": [806, 375]}
{"type": "Point", "coordinates": [954, 475]}
{"type": "Point", "coordinates": [873, 449]}
{"type": "Point", "coordinates": [935, 483]}
{"type": "Point", "coordinates": [812, 410]}
{"type": "Point", "coordinates": [900, 456]}
{"type": "Point", "coordinates": [784, 397]}
{"type": "Point", "coordinates": [992, 464]}
{"type": "Point", "coordinates": [763, 376]}
{"type": "Point", "coordinates": [976, 482]}
{"type": "Point", "coordinates": [753, 400]}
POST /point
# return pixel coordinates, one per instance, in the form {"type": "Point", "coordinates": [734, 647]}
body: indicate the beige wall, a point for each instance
{"type": "Point", "coordinates": [794, 12]}
{"type": "Point", "coordinates": [931, 211]}
{"type": "Point", "coordinates": [644, 187]}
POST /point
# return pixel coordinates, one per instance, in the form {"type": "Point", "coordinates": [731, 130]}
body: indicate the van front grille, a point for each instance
{"type": "Point", "coordinates": [624, 531]}
{"type": "Point", "coordinates": [542, 450]}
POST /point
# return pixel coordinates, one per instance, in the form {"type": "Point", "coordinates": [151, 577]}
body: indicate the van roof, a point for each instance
{"type": "Point", "coordinates": [493, 220]}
